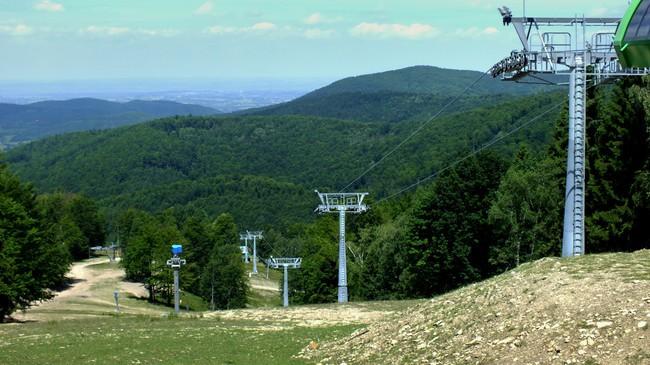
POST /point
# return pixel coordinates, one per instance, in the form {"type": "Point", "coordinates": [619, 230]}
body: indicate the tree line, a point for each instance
{"type": "Point", "coordinates": [214, 269]}
{"type": "Point", "coordinates": [40, 235]}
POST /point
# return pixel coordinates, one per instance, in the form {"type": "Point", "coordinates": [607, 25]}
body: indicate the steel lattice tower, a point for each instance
{"type": "Point", "coordinates": [244, 248]}
{"type": "Point", "coordinates": [286, 263]}
{"type": "Point", "coordinates": [342, 203]}
{"type": "Point", "coordinates": [254, 235]}
{"type": "Point", "coordinates": [549, 57]}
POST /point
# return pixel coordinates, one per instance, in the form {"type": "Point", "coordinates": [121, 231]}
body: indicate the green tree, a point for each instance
{"type": "Point", "coordinates": [197, 251]}
{"type": "Point", "coordinates": [74, 220]}
{"type": "Point", "coordinates": [85, 214]}
{"type": "Point", "coordinates": [640, 192]}
{"type": "Point", "coordinates": [146, 243]}
{"type": "Point", "coordinates": [449, 237]}
{"type": "Point", "coordinates": [525, 213]}
{"type": "Point", "coordinates": [379, 277]}
{"type": "Point", "coordinates": [223, 282]}
{"type": "Point", "coordinates": [31, 263]}
{"type": "Point", "coordinates": [317, 279]}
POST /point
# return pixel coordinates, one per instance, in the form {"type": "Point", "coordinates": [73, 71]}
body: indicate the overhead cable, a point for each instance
{"type": "Point", "coordinates": [416, 131]}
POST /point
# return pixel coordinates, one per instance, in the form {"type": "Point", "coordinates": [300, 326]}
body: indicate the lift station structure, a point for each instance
{"type": "Point", "coordinates": [342, 203]}
{"type": "Point", "coordinates": [568, 51]}
{"type": "Point", "coordinates": [286, 263]}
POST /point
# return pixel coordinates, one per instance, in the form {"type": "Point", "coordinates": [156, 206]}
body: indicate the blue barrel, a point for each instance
{"type": "Point", "coordinates": [177, 249]}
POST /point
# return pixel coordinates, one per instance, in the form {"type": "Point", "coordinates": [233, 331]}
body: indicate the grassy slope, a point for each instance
{"type": "Point", "coordinates": [82, 328]}
{"type": "Point", "coordinates": [585, 310]}
{"type": "Point", "coordinates": [148, 340]}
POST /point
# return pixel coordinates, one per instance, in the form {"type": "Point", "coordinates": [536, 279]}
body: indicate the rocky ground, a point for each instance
{"type": "Point", "coordinates": [588, 310]}
{"type": "Point", "coordinates": [312, 316]}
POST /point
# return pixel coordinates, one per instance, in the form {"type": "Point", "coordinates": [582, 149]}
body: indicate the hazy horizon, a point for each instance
{"type": "Point", "coordinates": [48, 40]}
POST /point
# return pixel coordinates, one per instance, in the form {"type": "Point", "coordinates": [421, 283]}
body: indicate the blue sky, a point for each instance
{"type": "Point", "coordinates": [109, 39]}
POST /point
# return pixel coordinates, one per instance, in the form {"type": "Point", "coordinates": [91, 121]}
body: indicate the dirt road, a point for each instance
{"type": "Point", "coordinates": [91, 294]}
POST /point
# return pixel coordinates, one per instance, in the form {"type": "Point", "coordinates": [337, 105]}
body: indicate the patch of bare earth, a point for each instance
{"type": "Point", "coordinates": [309, 316]}
{"type": "Point", "coordinates": [588, 310]}
{"type": "Point", "coordinates": [263, 285]}
{"type": "Point", "coordinates": [90, 294]}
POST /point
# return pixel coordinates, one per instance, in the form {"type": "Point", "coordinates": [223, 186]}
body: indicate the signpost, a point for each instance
{"type": "Point", "coordinates": [116, 295]}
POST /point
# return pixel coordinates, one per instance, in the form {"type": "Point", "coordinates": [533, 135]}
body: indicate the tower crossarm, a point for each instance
{"type": "Point", "coordinates": [289, 262]}
{"type": "Point", "coordinates": [566, 21]}
{"type": "Point", "coordinates": [253, 234]}
{"type": "Point", "coordinates": [551, 45]}
{"type": "Point", "coordinates": [335, 202]}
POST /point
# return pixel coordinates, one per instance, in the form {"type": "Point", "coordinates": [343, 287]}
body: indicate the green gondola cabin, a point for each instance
{"type": "Point", "coordinates": [632, 40]}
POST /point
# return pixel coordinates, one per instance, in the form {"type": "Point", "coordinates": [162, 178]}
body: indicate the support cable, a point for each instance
{"type": "Point", "coordinates": [473, 153]}
{"type": "Point", "coordinates": [416, 131]}
{"type": "Point", "coordinates": [480, 149]}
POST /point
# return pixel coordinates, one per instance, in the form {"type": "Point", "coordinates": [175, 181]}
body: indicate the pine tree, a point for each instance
{"type": "Point", "coordinates": [617, 151]}
{"type": "Point", "coordinates": [449, 236]}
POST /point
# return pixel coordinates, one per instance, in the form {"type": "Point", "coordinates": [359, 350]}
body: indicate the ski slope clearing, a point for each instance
{"type": "Point", "coordinates": [90, 293]}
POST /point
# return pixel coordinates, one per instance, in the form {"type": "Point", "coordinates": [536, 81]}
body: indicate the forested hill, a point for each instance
{"type": "Point", "coordinates": [406, 94]}
{"type": "Point", "coordinates": [421, 80]}
{"type": "Point", "coordinates": [28, 122]}
{"type": "Point", "coordinates": [147, 164]}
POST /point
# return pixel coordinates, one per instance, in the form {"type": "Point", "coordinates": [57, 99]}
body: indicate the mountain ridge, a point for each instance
{"type": "Point", "coordinates": [21, 123]}
{"type": "Point", "coordinates": [410, 93]}
{"type": "Point", "coordinates": [309, 152]}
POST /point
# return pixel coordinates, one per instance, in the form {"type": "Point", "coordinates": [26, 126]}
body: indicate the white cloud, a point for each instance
{"type": "Point", "coordinates": [314, 19]}
{"type": "Point", "coordinates": [262, 27]}
{"type": "Point", "coordinates": [168, 32]}
{"type": "Point", "coordinates": [47, 5]}
{"type": "Point", "coordinates": [316, 33]}
{"type": "Point", "coordinates": [205, 8]}
{"type": "Point", "coordinates": [217, 29]}
{"type": "Point", "coordinates": [382, 30]}
{"type": "Point", "coordinates": [106, 31]}
{"type": "Point", "coordinates": [124, 31]}
{"type": "Point", "coordinates": [318, 18]}
{"type": "Point", "coordinates": [158, 32]}
{"type": "Point", "coordinates": [475, 32]}
{"type": "Point", "coordinates": [16, 30]}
